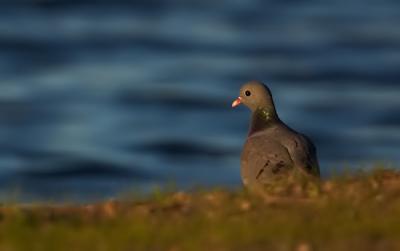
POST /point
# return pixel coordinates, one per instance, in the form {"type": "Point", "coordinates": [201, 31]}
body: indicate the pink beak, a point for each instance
{"type": "Point", "coordinates": [237, 102]}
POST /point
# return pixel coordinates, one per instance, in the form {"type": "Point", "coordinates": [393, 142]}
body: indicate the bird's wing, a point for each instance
{"type": "Point", "coordinates": [263, 158]}
{"type": "Point", "coordinates": [304, 154]}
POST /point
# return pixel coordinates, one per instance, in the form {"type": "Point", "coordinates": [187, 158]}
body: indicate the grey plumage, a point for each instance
{"type": "Point", "coordinates": [272, 149]}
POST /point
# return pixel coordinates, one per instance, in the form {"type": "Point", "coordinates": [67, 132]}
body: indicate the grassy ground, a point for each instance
{"type": "Point", "coordinates": [358, 212]}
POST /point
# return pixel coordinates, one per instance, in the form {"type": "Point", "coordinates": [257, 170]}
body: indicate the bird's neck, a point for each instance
{"type": "Point", "coordinates": [263, 118]}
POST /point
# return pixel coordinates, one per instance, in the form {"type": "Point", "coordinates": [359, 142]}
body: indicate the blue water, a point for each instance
{"type": "Point", "coordinates": [100, 98]}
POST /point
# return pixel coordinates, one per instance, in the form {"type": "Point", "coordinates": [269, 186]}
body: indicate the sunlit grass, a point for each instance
{"type": "Point", "coordinates": [351, 212]}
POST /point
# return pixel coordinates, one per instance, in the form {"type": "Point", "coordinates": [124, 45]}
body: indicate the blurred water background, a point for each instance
{"type": "Point", "coordinates": [101, 97]}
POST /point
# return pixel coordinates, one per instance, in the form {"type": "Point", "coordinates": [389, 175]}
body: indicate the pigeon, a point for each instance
{"type": "Point", "coordinates": [272, 150]}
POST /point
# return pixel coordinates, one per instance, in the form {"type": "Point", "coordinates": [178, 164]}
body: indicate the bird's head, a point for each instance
{"type": "Point", "coordinates": [256, 96]}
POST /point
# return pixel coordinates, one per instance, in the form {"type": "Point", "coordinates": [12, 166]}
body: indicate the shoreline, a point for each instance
{"type": "Point", "coordinates": [359, 211]}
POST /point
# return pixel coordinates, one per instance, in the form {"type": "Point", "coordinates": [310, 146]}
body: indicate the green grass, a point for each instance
{"type": "Point", "coordinates": [353, 212]}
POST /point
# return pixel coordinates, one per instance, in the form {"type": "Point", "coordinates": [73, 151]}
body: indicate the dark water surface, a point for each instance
{"type": "Point", "coordinates": [97, 98]}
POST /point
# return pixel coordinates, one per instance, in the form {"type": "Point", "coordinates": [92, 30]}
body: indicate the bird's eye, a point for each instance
{"type": "Point", "coordinates": [248, 93]}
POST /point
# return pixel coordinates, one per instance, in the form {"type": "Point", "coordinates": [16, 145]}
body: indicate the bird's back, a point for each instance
{"type": "Point", "coordinates": [276, 152]}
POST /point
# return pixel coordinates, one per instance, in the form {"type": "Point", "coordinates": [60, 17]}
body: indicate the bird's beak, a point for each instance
{"type": "Point", "coordinates": [237, 102]}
